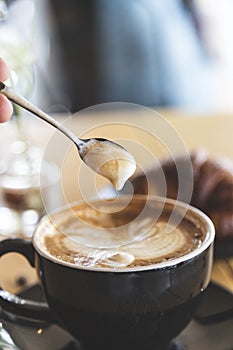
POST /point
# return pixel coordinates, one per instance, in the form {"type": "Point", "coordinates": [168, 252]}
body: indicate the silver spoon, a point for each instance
{"type": "Point", "coordinates": [105, 157]}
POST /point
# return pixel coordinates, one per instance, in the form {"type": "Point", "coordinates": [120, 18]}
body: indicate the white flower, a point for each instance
{"type": "Point", "coordinates": [16, 35]}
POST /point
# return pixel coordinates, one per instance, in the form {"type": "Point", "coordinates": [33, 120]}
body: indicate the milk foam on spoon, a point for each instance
{"type": "Point", "coordinates": [111, 161]}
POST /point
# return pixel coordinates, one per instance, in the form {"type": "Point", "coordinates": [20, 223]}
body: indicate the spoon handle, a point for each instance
{"type": "Point", "coordinates": [24, 103]}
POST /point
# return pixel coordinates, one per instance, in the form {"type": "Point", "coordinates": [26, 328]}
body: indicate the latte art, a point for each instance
{"type": "Point", "coordinates": [156, 246]}
{"type": "Point", "coordinates": [93, 246]}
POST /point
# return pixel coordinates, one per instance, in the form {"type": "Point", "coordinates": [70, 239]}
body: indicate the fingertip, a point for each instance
{"type": "Point", "coordinates": [6, 109]}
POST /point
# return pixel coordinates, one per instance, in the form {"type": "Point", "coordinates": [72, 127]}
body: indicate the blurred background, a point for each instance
{"type": "Point", "coordinates": [173, 53]}
{"type": "Point", "coordinates": [68, 55]}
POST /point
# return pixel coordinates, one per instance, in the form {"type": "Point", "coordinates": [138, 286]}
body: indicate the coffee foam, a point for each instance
{"type": "Point", "coordinates": [74, 241]}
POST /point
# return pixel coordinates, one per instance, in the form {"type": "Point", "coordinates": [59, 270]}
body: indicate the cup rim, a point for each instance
{"type": "Point", "coordinates": [209, 239]}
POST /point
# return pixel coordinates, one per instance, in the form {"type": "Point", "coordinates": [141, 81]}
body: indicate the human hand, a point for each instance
{"type": "Point", "coordinates": [6, 108]}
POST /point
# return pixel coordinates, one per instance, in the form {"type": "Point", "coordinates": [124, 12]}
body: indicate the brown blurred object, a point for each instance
{"type": "Point", "coordinates": [212, 186]}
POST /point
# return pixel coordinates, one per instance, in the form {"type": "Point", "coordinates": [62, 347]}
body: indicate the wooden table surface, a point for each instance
{"type": "Point", "coordinates": [146, 134]}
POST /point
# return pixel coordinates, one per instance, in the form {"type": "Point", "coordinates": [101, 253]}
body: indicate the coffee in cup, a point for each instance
{"type": "Point", "coordinates": [89, 237]}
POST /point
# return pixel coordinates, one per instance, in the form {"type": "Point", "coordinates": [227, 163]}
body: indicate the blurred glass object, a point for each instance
{"type": "Point", "coordinates": [17, 42]}
{"type": "Point", "coordinates": [22, 184]}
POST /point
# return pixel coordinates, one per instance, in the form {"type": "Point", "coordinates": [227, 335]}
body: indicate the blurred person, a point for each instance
{"type": "Point", "coordinates": [6, 108]}
{"type": "Point", "coordinates": [147, 52]}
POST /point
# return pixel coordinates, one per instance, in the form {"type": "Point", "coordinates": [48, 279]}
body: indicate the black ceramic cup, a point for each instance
{"type": "Point", "coordinates": [132, 308]}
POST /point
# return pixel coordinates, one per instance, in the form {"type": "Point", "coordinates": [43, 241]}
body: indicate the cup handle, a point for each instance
{"type": "Point", "coordinates": [14, 304]}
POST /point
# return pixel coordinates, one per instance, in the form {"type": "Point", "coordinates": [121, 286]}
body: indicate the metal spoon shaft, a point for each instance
{"type": "Point", "coordinates": [24, 103]}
